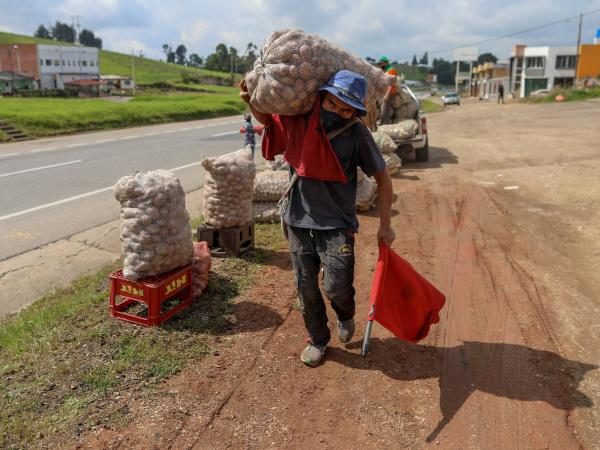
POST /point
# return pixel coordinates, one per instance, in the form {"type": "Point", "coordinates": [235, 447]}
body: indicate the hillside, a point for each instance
{"type": "Point", "coordinates": [410, 72]}
{"type": "Point", "coordinates": [146, 70]}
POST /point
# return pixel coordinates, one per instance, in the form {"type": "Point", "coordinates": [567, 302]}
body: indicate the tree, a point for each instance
{"type": "Point", "coordinates": [250, 56]}
{"type": "Point", "coordinates": [486, 57]}
{"type": "Point", "coordinates": [444, 70]}
{"type": "Point", "coordinates": [86, 37]}
{"type": "Point", "coordinates": [180, 53]}
{"type": "Point", "coordinates": [42, 32]}
{"type": "Point", "coordinates": [219, 60]}
{"type": "Point", "coordinates": [63, 32]}
{"type": "Point", "coordinates": [414, 61]}
{"type": "Point", "coordinates": [424, 59]}
{"type": "Point", "coordinates": [194, 60]}
{"type": "Point", "coordinates": [169, 53]}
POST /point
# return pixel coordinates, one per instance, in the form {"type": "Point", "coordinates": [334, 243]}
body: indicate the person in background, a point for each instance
{"type": "Point", "coordinates": [249, 132]}
{"type": "Point", "coordinates": [390, 104]}
{"type": "Point", "coordinates": [321, 217]}
{"type": "Point", "coordinates": [501, 93]}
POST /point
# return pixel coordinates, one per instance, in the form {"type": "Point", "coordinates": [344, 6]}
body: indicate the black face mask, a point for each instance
{"type": "Point", "coordinates": [332, 121]}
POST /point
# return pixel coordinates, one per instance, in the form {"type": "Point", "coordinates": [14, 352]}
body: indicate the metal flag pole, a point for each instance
{"type": "Point", "coordinates": [365, 345]}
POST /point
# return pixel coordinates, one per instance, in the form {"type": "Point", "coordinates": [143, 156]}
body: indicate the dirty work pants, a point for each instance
{"type": "Point", "coordinates": [334, 250]}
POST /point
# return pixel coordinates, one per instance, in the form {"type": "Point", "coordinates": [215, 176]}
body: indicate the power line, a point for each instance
{"type": "Point", "coordinates": [528, 30]}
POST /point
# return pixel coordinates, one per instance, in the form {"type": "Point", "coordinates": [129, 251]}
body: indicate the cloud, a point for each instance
{"type": "Point", "coordinates": [398, 29]}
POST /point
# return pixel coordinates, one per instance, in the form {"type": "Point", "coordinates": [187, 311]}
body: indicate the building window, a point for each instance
{"type": "Point", "coordinates": [535, 62]}
{"type": "Point", "coordinates": [84, 63]}
{"type": "Point", "coordinates": [565, 62]}
{"type": "Point", "coordinates": [48, 62]}
{"type": "Point", "coordinates": [56, 62]}
{"type": "Point", "coordinates": [62, 61]}
{"type": "Point", "coordinates": [41, 62]}
{"type": "Point", "coordinates": [91, 63]}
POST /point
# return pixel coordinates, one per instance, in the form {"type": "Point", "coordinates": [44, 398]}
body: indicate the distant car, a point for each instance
{"type": "Point", "coordinates": [540, 93]}
{"type": "Point", "coordinates": [451, 98]}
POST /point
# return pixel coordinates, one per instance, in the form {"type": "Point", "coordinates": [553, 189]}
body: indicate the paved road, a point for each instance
{"type": "Point", "coordinates": [53, 188]}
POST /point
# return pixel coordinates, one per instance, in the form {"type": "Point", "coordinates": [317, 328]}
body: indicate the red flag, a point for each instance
{"type": "Point", "coordinates": [401, 299]}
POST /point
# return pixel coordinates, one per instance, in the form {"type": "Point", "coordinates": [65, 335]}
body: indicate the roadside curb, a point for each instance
{"type": "Point", "coordinates": [27, 277]}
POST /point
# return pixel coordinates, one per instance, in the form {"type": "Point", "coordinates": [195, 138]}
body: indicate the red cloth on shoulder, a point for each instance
{"type": "Point", "coordinates": [304, 145]}
{"type": "Point", "coordinates": [401, 299]}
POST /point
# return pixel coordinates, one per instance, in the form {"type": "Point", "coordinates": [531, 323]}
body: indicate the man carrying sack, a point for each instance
{"type": "Point", "coordinates": [324, 148]}
{"type": "Point", "coordinates": [392, 102]}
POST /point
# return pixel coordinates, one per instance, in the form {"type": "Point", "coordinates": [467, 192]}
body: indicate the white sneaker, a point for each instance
{"type": "Point", "coordinates": [312, 355]}
{"type": "Point", "coordinates": [345, 330]}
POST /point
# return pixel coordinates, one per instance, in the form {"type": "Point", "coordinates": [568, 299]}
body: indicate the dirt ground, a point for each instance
{"type": "Point", "coordinates": [504, 220]}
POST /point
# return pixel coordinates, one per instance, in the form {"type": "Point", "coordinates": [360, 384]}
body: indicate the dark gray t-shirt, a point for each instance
{"type": "Point", "coordinates": [326, 205]}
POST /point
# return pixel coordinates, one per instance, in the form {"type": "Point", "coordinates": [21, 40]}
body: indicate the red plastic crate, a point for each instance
{"type": "Point", "coordinates": [153, 292]}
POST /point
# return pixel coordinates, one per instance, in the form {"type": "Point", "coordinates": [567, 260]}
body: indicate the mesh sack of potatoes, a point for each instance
{"type": "Point", "coordinates": [293, 65]}
{"type": "Point", "coordinates": [405, 105]}
{"type": "Point", "coordinates": [385, 143]}
{"type": "Point", "coordinates": [277, 164]}
{"type": "Point", "coordinates": [265, 212]}
{"type": "Point", "coordinates": [366, 192]}
{"type": "Point", "coordinates": [156, 236]}
{"type": "Point", "coordinates": [228, 189]}
{"type": "Point", "coordinates": [401, 130]}
{"type": "Point", "coordinates": [269, 186]}
{"type": "Point", "coordinates": [201, 263]}
{"type": "Point", "coordinates": [392, 162]}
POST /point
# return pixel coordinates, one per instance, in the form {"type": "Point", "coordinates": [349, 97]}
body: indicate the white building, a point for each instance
{"type": "Point", "coordinates": [59, 64]}
{"type": "Point", "coordinates": [547, 68]}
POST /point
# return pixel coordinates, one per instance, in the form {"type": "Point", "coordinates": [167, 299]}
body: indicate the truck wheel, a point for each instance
{"type": "Point", "coordinates": [422, 154]}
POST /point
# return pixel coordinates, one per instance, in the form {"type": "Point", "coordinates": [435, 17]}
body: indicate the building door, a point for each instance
{"type": "Point", "coordinates": [533, 84]}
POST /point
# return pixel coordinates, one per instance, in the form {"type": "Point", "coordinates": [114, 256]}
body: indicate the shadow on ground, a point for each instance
{"type": "Point", "coordinates": [503, 370]}
{"type": "Point", "coordinates": [438, 157]}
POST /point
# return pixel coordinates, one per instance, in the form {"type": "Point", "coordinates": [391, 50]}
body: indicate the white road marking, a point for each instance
{"type": "Point", "coordinates": [77, 197]}
{"type": "Point", "coordinates": [58, 202]}
{"type": "Point", "coordinates": [40, 168]}
{"type": "Point", "coordinates": [150, 134]}
{"type": "Point", "coordinates": [185, 129]}
{"type": "Point", "coordinates": [47, 149]}
{"type": "Point", "coordinates": [186, 166]}
{"type": "Point", "coordinates": [124, 138]}
{"type": "Point", "coordinates": [6, 155]}
{"type": "Point", "coordinates": [225, 134]}
{"type": "Point", "coordinates": [169, 131]}
{"type": "Point", "coordinates": [511, 188]}
{"type": "Point", "coordinates": [76, 145]}
{"type": "Point", "coordinates": [104, 141]}
{"type": "Point", "coordinates": [487, 183]}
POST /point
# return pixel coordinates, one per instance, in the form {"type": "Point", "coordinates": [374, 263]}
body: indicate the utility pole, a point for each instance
{"type": "Point", "coordinates": [75, 22]}
{"type": "Point", "coordinates": [133, 71]}
{"type": "Point", "coordinates": [456, 77]}
{"type": "Point", "coordinates": [577, 50]}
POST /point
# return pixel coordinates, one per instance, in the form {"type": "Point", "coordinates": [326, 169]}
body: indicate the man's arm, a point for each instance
{"type": "Point", "coordinates": [385, 195]}
{"type": "Point", "coordinates": [245, 96]}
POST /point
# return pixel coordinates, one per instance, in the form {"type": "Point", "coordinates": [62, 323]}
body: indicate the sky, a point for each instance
{"type": "Point", "coordinates": [395, 28]}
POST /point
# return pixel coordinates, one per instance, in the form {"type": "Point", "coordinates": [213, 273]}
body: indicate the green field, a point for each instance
{"type": "Point", "coordinates": [429, 106]}
{"type": "Point", "coordinates": [54, 116]}
{"type": "Point", "coordinates": [147, 71]}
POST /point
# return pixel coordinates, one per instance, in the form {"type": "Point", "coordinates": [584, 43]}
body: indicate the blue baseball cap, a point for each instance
{"type": "Point", "coordinates": [349, 87]}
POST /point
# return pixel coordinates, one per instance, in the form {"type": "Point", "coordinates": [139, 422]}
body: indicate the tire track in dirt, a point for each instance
{"type": "Point", "coordinates": [495, 313]}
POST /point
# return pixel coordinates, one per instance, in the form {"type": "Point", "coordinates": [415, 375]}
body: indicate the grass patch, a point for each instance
{"type": "Point", "coordinates": [571, 95]}
{"type": "Point", "coordinates": [428, 106]}
{"type": "Point", "coordinates": [3, 136]}
{"type": "Point", "coordinates": [64, 363]}
{"type": "Point", "coordinates": [53, 116]}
